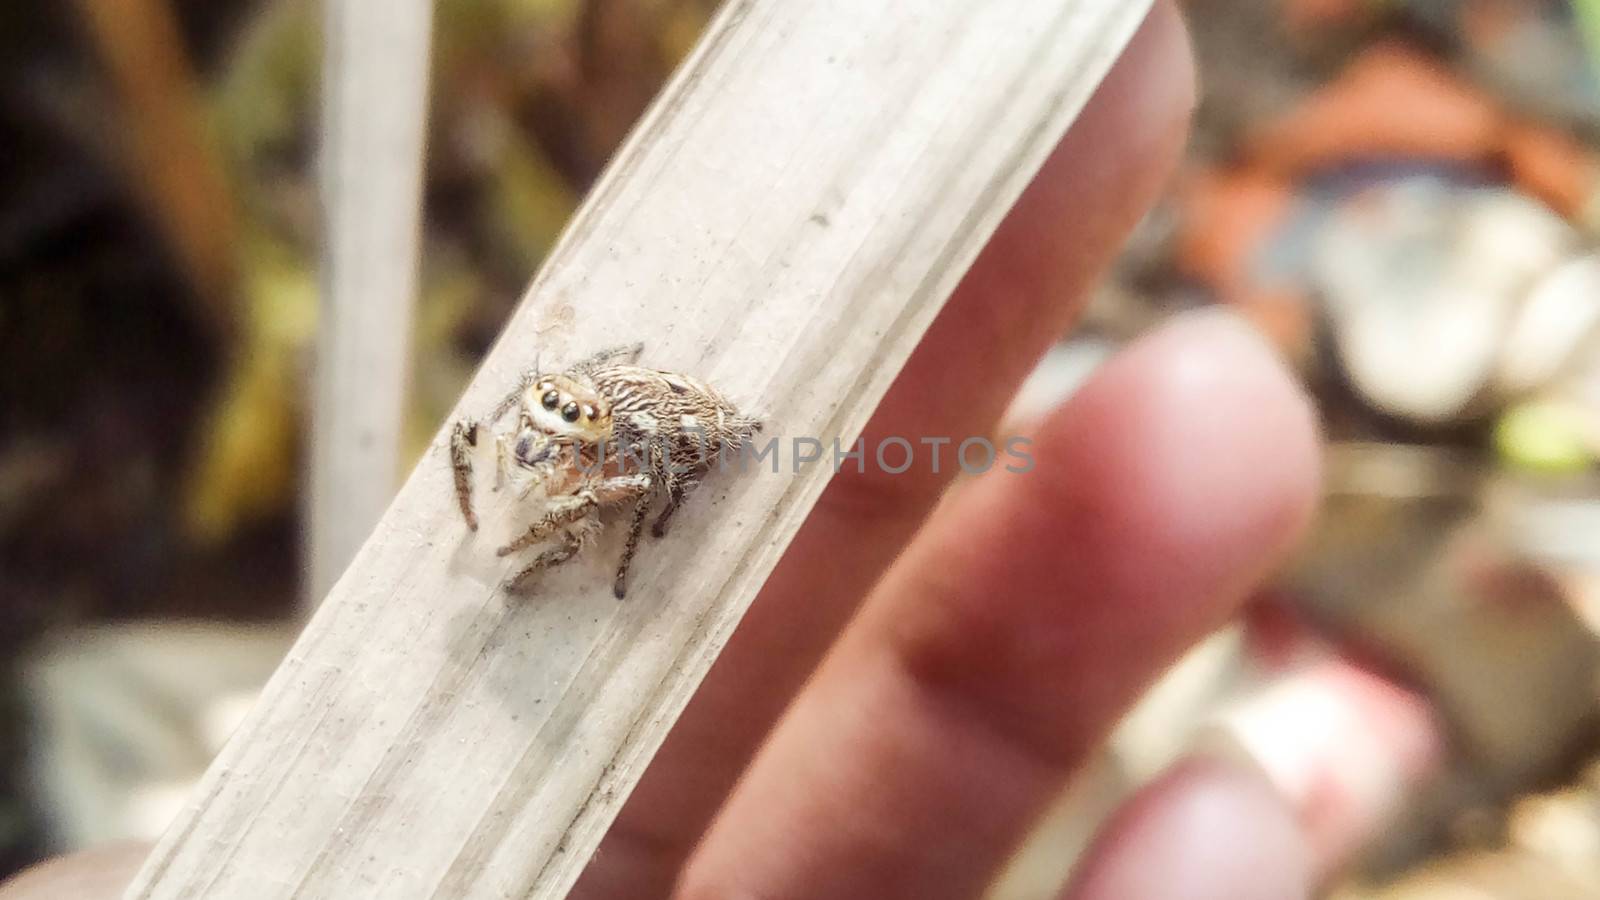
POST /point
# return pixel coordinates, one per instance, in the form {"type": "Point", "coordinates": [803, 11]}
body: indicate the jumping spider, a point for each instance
{"type": "Point", "coordinates": [602, 434]}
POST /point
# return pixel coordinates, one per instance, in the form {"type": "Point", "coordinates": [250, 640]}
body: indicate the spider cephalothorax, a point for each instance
{"type": "Point", "coordinates": [603, 433]}
{"type": "Point", "coordinates": [556, 412]}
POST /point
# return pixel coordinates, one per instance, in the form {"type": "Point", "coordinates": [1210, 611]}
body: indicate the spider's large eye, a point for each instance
{"type": "Point", "coordinates": [551, 400]}
{"type": "Point", "coordinates": [570, 411]}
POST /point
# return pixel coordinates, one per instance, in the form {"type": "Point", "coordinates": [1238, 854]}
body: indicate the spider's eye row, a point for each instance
{"type": "Point", "coordinates": [570, 411]}
{"type": "Point", "coordinates": [551, 400]}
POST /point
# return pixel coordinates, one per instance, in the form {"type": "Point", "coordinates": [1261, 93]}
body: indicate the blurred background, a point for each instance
{"type": "Point", "coordinates": [1403, 194]}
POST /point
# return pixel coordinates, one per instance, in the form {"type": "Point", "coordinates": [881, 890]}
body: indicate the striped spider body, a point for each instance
{"type": "Point", "coordinates": [604, 433]}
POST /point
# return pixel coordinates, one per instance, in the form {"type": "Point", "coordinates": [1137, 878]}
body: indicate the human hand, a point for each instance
{"type": "Point", "coordinates": [918, 679]}
{"type": "Point", "coordinates": [974, 652]}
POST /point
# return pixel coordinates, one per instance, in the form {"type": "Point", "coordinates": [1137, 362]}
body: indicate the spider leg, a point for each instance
{"type": "Point", "coordinates": [586, 500]}
{"type": "Point", "coordinates": [502, 452]}
{"type": "Point", "coordinates": [509, 402]}
{"type": "Point", "coordinates": [619, 587]}
{"type": "Point", "coordinates": [569, 547]}
{"type": "Point", "coordinates": [640, 488]}
{"type": "Point", "coordinates": [620, 489]}
{"type": "Point", "coordinates": [463, 437]}
{"type": "Point", "coordinates": [563, 512]}
{"type": "Point", "coordinates": [627, 352]}
{"type": "Point", "coordinates": [676, 494]}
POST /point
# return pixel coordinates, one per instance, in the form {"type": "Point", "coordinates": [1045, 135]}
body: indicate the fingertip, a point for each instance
{"type": "Point", "coordinates": [1176, 479]}
{"type": "Point", "coordinates": [1196, 444]}
{"type": "Point", "coordinates": [1207, 829]}
{"type": "Point", "coordinates": [99, 872]}
{"type": "Point", "coordinates": [1091, 192]}
{"type": "Point", "coordinates": [1167, 94]}
{"type": "Point", "coordinates": [1032, 279]}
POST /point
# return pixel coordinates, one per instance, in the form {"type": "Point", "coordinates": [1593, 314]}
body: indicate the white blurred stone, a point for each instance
{"type": "Point", "coordinates": [124, 719]}
{"type": "Point", "coordinates": [1559, 317]}
{"type": "Point", "coordinates": [1151, 737]}
{"type": "Point", "coordinates": [1421, 278]}
{"type": "Point", "coordinates": [1058, 376]}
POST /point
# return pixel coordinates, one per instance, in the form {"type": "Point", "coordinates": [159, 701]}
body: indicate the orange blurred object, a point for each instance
{"type": "Point", "coordinates": [1234, 215]}
{"type": "Point", "coordinates": [1392, 101]}
{"type": "Point", "coordinates": [1551, 165]}
{"type": "Point", "coordinates": [1307, 16]}
{"type": "Point", "coordinates": [1241, 210]}
{"type": "Point", "coordinates": [1345, 747]}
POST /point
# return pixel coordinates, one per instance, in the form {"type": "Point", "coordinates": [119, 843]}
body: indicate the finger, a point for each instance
{"type": "Point", "coordinates": [101, 873]}
{"type": "Point", "coordinates": [1022, 293]}
{"type": "Point", "coordinates": [1206, 830]}
{"type": "Point", "coordinates": [1023, 621]}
